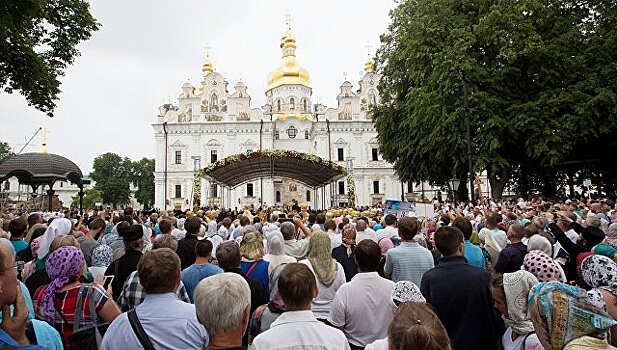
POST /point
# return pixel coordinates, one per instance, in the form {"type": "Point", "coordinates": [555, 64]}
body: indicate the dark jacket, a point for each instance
{"type": "Point", "coordinates": [511, 258]}
{"type": "Point", "coordinates": [348, 262]}
{"type": "Point", "coordinates": [126, 265]}
{"type": "Point", "coordinates": [186, 251]}
{"type": "Point", "coordinates": [462, 299]}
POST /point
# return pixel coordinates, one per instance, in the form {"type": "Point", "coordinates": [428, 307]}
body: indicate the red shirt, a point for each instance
{"type": "Point", "coordinates": [66, 303]}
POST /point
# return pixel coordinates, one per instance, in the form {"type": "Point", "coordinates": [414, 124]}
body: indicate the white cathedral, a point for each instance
{"type": "Point", "coordinates": [210, 123]}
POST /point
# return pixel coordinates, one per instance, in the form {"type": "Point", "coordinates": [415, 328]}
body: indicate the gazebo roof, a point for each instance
{"type": "Point", "coordinates": [309, 169]}
{"type": "Point", "coordinates": [40, 168]}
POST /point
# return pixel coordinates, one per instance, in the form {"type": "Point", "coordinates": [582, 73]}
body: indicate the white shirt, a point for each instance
{"type": "Point", "coordinates": [366, 234]}
{"type": "Point", "coordinates": [336, 239]}
{"type": "Point", "coordinates": [323, 303]}
{"type": "Point", "coordinates": [381, 344]}
{"type": "Point", "coordinates": [300, 330]}
{"type": "Point", "coordinates": [216, 241]}
{"type": "Point", "coordinates": [532, 341]}
{"type": "Point", "coordinates": [363, 308]}
{"type": "Point", "coordinates": [388, 231]}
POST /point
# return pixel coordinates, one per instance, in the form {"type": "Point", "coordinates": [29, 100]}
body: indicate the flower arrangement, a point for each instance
{"type": "Point", "coordinates": [196, 192]}
{"type": "Point", "coordinates": [271, 153]}
{"type": "Point", "coordinates": [351, 191]}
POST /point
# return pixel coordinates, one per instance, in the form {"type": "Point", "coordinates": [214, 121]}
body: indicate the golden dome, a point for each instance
{"type": "Point", "coordinates": [207, 67]}
{"type": "Point", "coordinates": [289, 72]}
{"type": "Point", "coordinates": [369, 65]}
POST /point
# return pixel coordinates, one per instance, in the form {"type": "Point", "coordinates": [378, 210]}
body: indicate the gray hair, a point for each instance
{"type": "Point", "coordinates": [276, 243]}
{"type": "Point", "coordinates": [221, 302]}
{"type": "Point", "coordinates": [593, 221]}
{"type": "Point", "coordinates": [288, 230]}
{"type": "Point", "coordinates": [165, 241]}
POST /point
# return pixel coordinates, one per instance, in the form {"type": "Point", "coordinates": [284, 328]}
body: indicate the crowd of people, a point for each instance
{"type": "Point", "coordinates": [508, 275]}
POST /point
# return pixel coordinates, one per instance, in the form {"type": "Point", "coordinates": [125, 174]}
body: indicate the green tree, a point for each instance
{"type": "Point", "coordinates": [38, 39]}
{"type": "Point", "coordinates": [113, 175]}
{"type": "Point", "coordinates": [5, 151]}
{"type": "Point", "coordinates": [538, 87]}
{"type": "Point", "coordinates": [143, 179]}
{"type": "Point", "coordinates": [91, 197]}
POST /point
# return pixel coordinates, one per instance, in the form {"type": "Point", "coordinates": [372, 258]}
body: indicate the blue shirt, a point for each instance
{"type": "Point", "coordinates": [5, 339]}
{"type": "Point", "coordinates": [19, 245]}
{"type": "Point", "coordinates": [408, 262]}
{"type": "Point", "coordinates": [474, 255]}
{"type": "Point", "coordinates": [259, 272]}
{"type": "Point", "coordinates": [168, 322]}
{"type": "Point", "coordinates": [193, 274]}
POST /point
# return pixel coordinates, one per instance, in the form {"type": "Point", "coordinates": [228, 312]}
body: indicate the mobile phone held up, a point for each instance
{"type": "Point", "coordinates": [107, 281]}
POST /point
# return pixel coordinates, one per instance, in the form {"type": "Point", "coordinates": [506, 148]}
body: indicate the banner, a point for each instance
{"type": "Point", "coordinates": [398, 208]}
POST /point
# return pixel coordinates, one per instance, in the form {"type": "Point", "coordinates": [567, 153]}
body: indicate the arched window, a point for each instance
{"type": "Point", "coordinates": [278, 196]}
{"type": "Point", "coordinates": [305, 105]}
{"type": "Point", "coordinates": [276, 135]}
{"type": "Point", "coordinates": [292, 132]}
{"type": "Point", "coordinates": [292, 103]}
{"type": "Point", "coordinates": [278, 105]}
{"type": "Point", "coordinates": [214, 102]}
{"type": "Point", "coordinates": [306, 134]}
{"type": "Point", "coordinates": [308, 195]}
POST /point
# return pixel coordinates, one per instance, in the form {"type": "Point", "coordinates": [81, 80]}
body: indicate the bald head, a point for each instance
{"type": "Point", "coordinates": [360, 225]}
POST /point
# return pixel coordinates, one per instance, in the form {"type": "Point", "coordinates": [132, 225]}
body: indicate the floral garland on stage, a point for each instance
{"type": "Point", "coordinates": [271, 153]}
{"type": "Point", "coordinates": [196, 193]}
{"type": "Point", "coordinates": [351, 191]}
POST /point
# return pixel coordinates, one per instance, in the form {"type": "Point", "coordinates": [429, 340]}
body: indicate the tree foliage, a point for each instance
{"type": "Point", "coordinates": [38, 40]}
{"type": "Point", "coordinates": [113, 177]}
{"type": "Point", "coordinates": [143, 179]}
{"type": "Point", "coordinates": [91, 197]}
{"type": "Point", "coordinates": [541, 77]}
{"type": "Point", "coordinates": [5, 151]}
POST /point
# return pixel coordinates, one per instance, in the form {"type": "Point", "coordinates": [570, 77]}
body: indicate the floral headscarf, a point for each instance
{"type": "Point", "coordinates": [252, 246]}
{"type": "Point", "coordinates": [102, 256]}
{"type": "Point", "coordinates": [62, 264]}
{"type": "Point", "coordinates": [406, 291]}
{"type": "Point", "coordinates": [542, 266]}
{"type": "Point", "coordinates": [320, 256]}
{"type": "Point", "coordinates": [611, 235]}
{"type": "Point", "coordinates": [560, 313]}
{"type": "Point", "coordinates": [516, 287]}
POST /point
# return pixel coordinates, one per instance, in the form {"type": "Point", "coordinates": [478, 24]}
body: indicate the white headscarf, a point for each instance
{"type": "Point", "coordinates": [57, 227]}
{"type": "Point", "coordinates": [516, 286]}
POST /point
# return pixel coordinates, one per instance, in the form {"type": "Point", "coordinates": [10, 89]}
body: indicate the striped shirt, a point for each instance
{"type": "Point", "coordinates": [408, 262]}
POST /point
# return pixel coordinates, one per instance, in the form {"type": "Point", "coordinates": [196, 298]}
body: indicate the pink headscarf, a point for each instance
{"type": "Point", "coordinates": [385, 244]}
{"type": "Point", "coordinates": [542, 266]}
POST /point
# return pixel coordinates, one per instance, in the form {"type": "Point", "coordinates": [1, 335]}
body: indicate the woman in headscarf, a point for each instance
{"type": "Point", "coordinates": [64, 266]}
{"type": "Point", "coordinates": [253, 265]}
{"type": "Point", "coordinates": [328, 272]}
{"type": "Point", "coordinates": [543, 267]}
{"type": "Point", "coordinates": [276, 251]}
{"type": "Point", "coordinates": [39, 277]}
{"type": "Point", "coordinates": [265, 314]}
{"type": "Point", "coordinates": [344, 254]}
{"type": "Point", "coordinates": [510, 292]}
{"type": "Point", "coordinates": [564, 319]}
{"type": "Point", "coordinates": [102, 257]}
{"type": "Point", "coordinates": [30, 266]}
{"type": "Point", "coordinates": [600, 273]}
{"type": "Point", "coordinates": [385, 244]}
{"type": "Point", "coordinates": [611, 236]}
{"type": "Point", "coordinates": [57, 227]}
{"type": "Point", "coordinates": [402, 293]}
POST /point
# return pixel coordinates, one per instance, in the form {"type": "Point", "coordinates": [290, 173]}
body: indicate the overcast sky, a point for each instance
{"type": "Point", "coordinates": [145, 50]}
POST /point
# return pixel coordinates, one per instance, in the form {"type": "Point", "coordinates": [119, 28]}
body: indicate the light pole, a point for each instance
{"type": "Point", "coordinates": [466, 110]}
{"type": "Point", "coordinates": [454, 184]}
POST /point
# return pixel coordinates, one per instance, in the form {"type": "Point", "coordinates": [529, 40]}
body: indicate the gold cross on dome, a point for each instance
{"type": "Point", "coordinates": [288, 19]}
{"type": "Point", "coordinates": [208, 48]}
{"type": "Point", "coordinates": [369, 47]}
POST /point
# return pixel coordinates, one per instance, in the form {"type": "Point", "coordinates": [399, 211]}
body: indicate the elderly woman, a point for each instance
{"type": "Point", "coordinates": [253, 265]}
{"type": "Point", "coordinates": [564, 319]}
{"type": "Point", "coordinates": [102, 257]}
{"type": "Point", "coordinates": [56, 228]}
{"type": "Point", "coordinates": [329, 273]}
{"type": "Point", "coordinates": [600, 273]}
{"type": "Point", "coordinates": [276, 251]}
{"type": "Point", "coordinates": [543, 267]}
{"type": "Point", "coordinates": [344, 254]}
{"type": "Point", "coordinates": [40, 277]}
{"type": "Point", "coordinates": [56, 302]}
{"type": "Point", "coordinates": [510, 292]}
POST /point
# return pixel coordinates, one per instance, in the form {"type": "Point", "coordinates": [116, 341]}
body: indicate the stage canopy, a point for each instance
{"type": "Point", "coordinates": [307, 168]}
